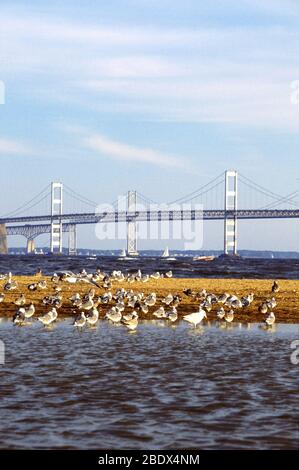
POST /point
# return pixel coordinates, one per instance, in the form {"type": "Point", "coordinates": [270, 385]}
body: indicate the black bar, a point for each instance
{"type": "Point", "coordinates": [149, 458]}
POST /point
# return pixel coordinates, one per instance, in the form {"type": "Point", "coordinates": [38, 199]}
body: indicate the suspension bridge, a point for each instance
{"type": "Point", "coordinates": [58, 209]}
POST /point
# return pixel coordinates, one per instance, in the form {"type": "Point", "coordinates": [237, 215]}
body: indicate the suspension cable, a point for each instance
{"type": "Point", "coordinates": [185, 198]}
{"type": "Point", "coordinates": [24, 206]}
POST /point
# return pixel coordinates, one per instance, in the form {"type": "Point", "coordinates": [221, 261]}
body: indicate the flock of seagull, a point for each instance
{"type": "Point", "coordinates": [126, 305]}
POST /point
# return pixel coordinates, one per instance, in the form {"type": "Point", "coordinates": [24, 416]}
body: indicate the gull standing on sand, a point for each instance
{"type": "Point", "coordinates": [10, 285]}
{"type": "Point", "coordinates": [150, 300]}
{"type": "Point", "coordinates": [159, 313]}
{"type": "Point", "coordinates": [271, 303]}
{"type": "Point", "coordinates": [80, 321]}
{"type": "Point", "coordinates": [114, 315]}
{"type": "Point", "coordinates": [132, 322]}
{"type": "Point", "coordinates": [229, 316]}
{"type": "Point", "coordinates": [275, 287]}
{"type": "Point", "coordinates": [168, 299]}
{"type": "Point", "coordinates": [196, 317]}
{"type": "Point", "coordinates": [20, 301]}
{"type": "Point", "coordinates": [221, 313]}
{"type": "Point", "coordinates": [172, 315]}
{"type": "Point", "coordinates": [92, 317]}
{"type": "Point", "coordinates": [263, 307]}
{"type": "Point", "coordinates": [270, 320]}
{"type": "Point", "coordinates": [49, 317]}
{"type": "Point", "coordinates": [30, 311]}
{"type": "Point", "coordinates": [19, 316]}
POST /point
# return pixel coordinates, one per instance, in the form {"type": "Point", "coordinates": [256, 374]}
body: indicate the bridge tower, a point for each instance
{"type": "Point", "coordinates": [3, 240]}
{"type": "Point", "coordinates": [72, 240]}
{"type": "Point", "coordinates": [30, 245]}
{"type": "Point", "coordinates": [56, 222]}
{"type": "Point", "coordinates": [230, 206]}
{"type": "Point", "coordinates": [132, 224]}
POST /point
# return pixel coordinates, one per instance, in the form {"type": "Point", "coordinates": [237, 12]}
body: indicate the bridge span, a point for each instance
{"type": "Point", "coordinates": [58, 222]}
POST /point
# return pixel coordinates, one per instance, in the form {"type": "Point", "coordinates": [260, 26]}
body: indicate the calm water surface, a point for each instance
{"type": "Point", "coordinates": [160, 387]}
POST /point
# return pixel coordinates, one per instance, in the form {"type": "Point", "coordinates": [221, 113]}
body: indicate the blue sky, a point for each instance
{"type": "Point", "coordinates": [158, 96]}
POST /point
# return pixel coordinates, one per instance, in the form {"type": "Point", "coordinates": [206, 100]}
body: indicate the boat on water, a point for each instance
{"type": "Point", "coordinates": [123, 256]}
{"type": "Point", "coordinates": [166, 255]}
{"type": "Point", "coordinates": [203, 258]}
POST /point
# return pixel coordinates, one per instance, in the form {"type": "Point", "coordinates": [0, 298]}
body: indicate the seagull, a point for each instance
{"type": "Point", "coordinates": [263, 308]}
{"type": "Point", "coordinates": [271, 303]}
{"type": "Point", "coordinates": [129, 316]}
{"type": "Point", "coordinates": [80, 320]}
{"type": "Point", "coordinates": [150, 300]}
{"type": "Point", "coordinates": [29, 312]}
{"type": "Point", "coordinates": [168, 274]}
{"type": "Point", "coordinates": [120, 306]}
{"type": "Point", "coordinates": [155, 275]}
{"type": "Point", "coordinates": [49, 317]}
{"type": "Point", "coordinates": [168, 299]}
{"type": "Point", "coordinates": [237, 303]}
{"type": "Point", "coordinates": [131, 323]}
{"type": "Point", "coordinates": [42, 284]}
{"type": "Point", "coordinates": [270, 320]}
{"type": "Point", "coordinates": [196, 317]}
{"type": "Point", "coordinates": [19, 316]}
{"type": "Point", "coordinates": [275, 287]}
{"type": "Point", "coordinates": [206, 305]}
{"type": "Point", "coordinates": [32, 286]}
{"type": "Point", "coordinates": [92, 317]}
{"type": "Point", "coordinates": [159, 313]}
{"type": "Point", "coordinates": [172, 315]}
{"type": "Point", "coordinates": [87, 305]}
{"type": "Point", "coordinates": [247, 299]}
{"type": "Point", "coordinates": [220, 313]}
{"type": "Point", "coordinates": [20, 300]}
{"type": "Point", "coordinates": [223, 298]}
{"type": "Point", "coordinates": [114, 315]}
{"type": "Point", "coordinates": [10, 285]}
{"type": "Point", "coordinates": [229, 316]}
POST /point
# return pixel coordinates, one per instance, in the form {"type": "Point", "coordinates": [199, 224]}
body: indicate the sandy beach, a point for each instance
{"type": "Point", "coordinates": [286, 311]}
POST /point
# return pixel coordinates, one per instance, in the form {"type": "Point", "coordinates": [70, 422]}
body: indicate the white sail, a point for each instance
{"type": "Point", "coordinates": [123, 254]}
{"type": "Point", "coordinates": [165, 253]}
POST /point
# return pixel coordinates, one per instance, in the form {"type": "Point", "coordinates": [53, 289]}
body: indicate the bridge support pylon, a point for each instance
{"type": "Point", "coordinates": [3, 240]}
{"type": "Point", "coordinates": [132, 224]}
{"type": "Point", "coordinates": [230, 207]}
{"type": "Point", "coordinates": [30, 245]}
{"type": "Point", "coordinates": [56, 222]}
{"type": "Point", "coordinates": [72, 240]}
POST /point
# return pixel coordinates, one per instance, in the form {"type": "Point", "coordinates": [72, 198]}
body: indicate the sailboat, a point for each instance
{"type": "Point", "coordinates": [123, 255]}
{"type": "Point", "coordinates": [165, 254]}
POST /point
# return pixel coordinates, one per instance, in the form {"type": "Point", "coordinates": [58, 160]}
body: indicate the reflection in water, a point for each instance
{"type": "Point", "coordinates": [162, 388]}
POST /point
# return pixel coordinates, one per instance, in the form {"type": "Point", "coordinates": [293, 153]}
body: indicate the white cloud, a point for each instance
{"type": "Point", "coordinates": [11, 147]}
{"type": "Point", "coordinates": [121, 151]}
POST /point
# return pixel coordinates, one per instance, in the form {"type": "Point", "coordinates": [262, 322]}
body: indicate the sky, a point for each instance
{"type": "Point", "coordinates": [157, 96]}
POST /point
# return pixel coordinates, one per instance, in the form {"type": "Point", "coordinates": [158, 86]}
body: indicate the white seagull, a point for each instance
{"type": "Point", "coordinates": [196, 317]}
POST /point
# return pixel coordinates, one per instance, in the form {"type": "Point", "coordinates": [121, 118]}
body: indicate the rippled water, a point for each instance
{"type": "Point", "coordinates": [181, 267]}
{"type": "Point", "coordinates": [160, 387]}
